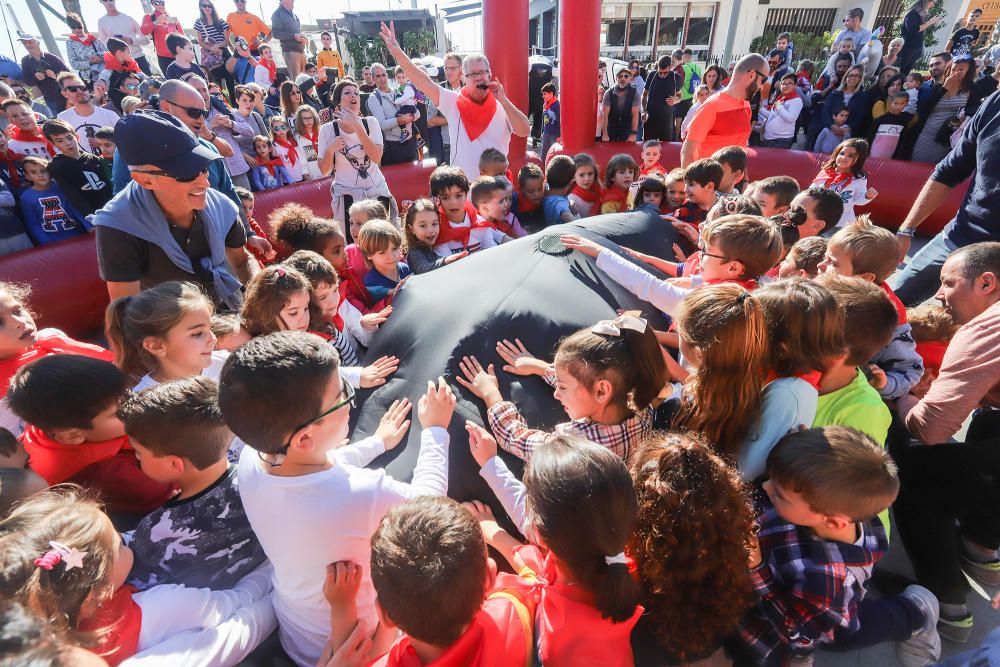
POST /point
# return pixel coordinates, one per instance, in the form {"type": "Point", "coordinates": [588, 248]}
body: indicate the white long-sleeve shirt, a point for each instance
{"type": "Point", "coordinates": [779, 122]}
{"type": "Point", "coordinates": [305, 523]}
{"type": "Point", "coordinates": [662, 294]}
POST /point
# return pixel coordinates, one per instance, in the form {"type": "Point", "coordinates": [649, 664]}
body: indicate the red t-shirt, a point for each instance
{"type": "Point", "coordinates": [721, 121]}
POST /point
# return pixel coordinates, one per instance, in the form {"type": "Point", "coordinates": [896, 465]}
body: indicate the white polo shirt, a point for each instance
{"type": "Point", "coordinates": [464, 151]}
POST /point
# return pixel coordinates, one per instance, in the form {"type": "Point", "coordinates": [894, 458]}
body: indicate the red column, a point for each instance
{"type": "Point", "coordinates": [505, 43]}
{"type": "Point", "coordinates": [579, 49]}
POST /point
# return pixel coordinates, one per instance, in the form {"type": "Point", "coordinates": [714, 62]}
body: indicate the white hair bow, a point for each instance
{"type": "Point", "coordinates": [614, 327]}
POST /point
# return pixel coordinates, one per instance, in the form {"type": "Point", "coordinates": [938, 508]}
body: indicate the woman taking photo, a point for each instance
{"type": "Point", "coordinates": [351, 148]}
{"type": "Point", "coordinates": [943, 110]}
{"type": "Point", "coordinates": [915, 23]}
{"type": "Point", "coordinates": [213, 38]}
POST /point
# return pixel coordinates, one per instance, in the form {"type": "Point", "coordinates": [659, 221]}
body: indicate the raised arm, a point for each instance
{"type": "Point", "coordinates": [415, 74]}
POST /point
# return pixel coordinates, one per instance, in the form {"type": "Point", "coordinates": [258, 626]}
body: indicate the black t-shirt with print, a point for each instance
{"type": "Point", "coordinates": [83, 180]}
{"type": "Point", "coordinates": [962, 41]}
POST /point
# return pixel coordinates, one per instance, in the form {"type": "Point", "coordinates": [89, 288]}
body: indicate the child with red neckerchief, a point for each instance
{"type": "Point", "coordinates": [461, 229]}
{"type": "Point", "coordinates": [618, 178]}
{"type": "Point", "coordinates": [844, 173]}
{"type": "Point", "coordinates": [585, 196]}
{"type": "Point", "coordinates": [651, 152]}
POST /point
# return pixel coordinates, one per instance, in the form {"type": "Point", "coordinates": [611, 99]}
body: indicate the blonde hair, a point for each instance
{"type": "Point", "coordinates": [872, 249]}
{"type": "Point", "coordinates": [378, 235]}
{"type": "Point", "coordinates": [729, 327]}
{"type": "Point", "coordinates": [267, 294]}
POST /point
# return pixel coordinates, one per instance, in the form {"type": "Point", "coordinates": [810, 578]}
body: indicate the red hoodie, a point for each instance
{"type": "Point", "coordinates": [49, 341]}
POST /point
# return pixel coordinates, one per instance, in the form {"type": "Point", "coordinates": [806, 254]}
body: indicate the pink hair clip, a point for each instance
{"type": "Point", "coordinates": [60, 553]}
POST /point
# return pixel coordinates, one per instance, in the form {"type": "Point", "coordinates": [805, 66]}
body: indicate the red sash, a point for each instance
{"type": "Point", "coordinates": [812, 378]}
{"type": "Point", "coordinates": [476, 117]}
{"type": "Point", "coordinates": [271, 164]}
{"type": "Point", "coordinates": [272, 69]}
{"type": "Point", "coordinates": [546, 105]}
{"type": "Point", "coordinates": [449, 233]}
{"type": "Point", "coordinates": [10, 161]}
{"type": "Point", "coordinates": [615, 194]}
{"type": "Point", "coordinates": [897, 304]}
{"type": "Point", "coordinates": [18, 134]}
{"type": "Point", "coordinates": [655, 168]}
{"type": "Point", "coordinates": [932, 352]}
{"type": "Point", "coordinates": [129, 65]}
{"type": "Point", "coordinates": [123, 616]}
{"type": "Point", "coordinates": [313, 139]}
{"type": "Point", "coordinates": [783, 98]}
{"type": "Point", "coordinates": [86, 40]}
{"type": "Point", "coordinates": [590, 196]}
{"type": "Point", "coordinates": [500, 225]}
{"type": "Point", "coordinates": [292, 147]}
{"type": "Point", "coordinates": [834, 179]}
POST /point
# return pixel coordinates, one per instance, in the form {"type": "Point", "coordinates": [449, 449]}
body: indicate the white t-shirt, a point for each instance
{"type": "Point", "coordinates": [294, 170]}
{"type": "Point", "coordinates": [212, 371]}
{"type": "Point", "coordinates": [305, 523]}
{"type": "Point", "coordinates": [480, 238]}
{"type": "Point", "coordinates": [125, 25]}
{"type": "Point", "coordinates": [352, 168]}
{"type": "Point", "coordinates": [309, 158]}
{"type": "Point", "coordinates": [86, 126]}
{"type": "Point", "coordinates": [464, 151]}
{"type": "Point", "coordinates": [36, 148]}
{"type": "Point", "coordinates": [852, 194]}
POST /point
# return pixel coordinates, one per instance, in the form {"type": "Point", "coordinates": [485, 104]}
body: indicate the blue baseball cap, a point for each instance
{"type": "Point", "coordinates": [159, 139]}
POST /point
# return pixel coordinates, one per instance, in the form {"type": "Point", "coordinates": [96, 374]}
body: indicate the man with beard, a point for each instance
{"type": "Point", "coordinates": [81, 113]}
{"type": "Point", "coordinates": [724, 119]}
{"type": "Point", "coordinates": [479, 116]}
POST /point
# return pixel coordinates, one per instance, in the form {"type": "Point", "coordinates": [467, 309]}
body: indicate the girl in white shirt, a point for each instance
{"type": "Point", "coordinates": [287, 148]}
{"type": "Point", "coordinates": [844, 174]}
{"type": "Point", "coordinates": [307, 137]}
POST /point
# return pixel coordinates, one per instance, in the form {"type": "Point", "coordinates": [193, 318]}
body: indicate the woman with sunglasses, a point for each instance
{"type": "Point", "coordinates": [215, 42]}
{"type": "Point", "coordinates": [291, 100]}
{"type": "Point", "coordinates": [159, 24]}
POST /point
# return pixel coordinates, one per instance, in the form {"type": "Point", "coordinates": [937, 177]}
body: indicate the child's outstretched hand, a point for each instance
{"type": "Point", "coordinates": [392, 427]}
{"type": "Point", "coordinates": [871, 193]}
{"type": "Point", "coordinates": [678, 253]}
{"type": "Point", "coordinates": [482, 444]}
{"type": "Point", "coordinates": [436, 407]}
{"type": "Point", "coordinates": [371, 321]}
{"type": "Point", "coordinates": [375, 374]}
{"type": "Point", "coordinates": [343, 579]}
{"type": "Point", "coordinates": [518, 360]}
{"type": "Point", "coordinates": [685, 229]}
{"type": "Point", "coordinates": [484, 515]}
{"type": "Point", "coordinates": [481, 382]}
{"type": "Point", "coordinates": [576, 242]}
{"type": "Point", "coordinates": [878, 379]}
{"type": "Point", "coordinates": [352, 653]}
{"type": "Point", "coordinates": [457, 256]}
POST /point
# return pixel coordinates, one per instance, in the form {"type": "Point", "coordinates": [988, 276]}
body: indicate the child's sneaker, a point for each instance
{"type": "Point", "coordinates": [924, 647]}
{"type": "Point", "coordinates": [987, 574]}
{"type": "Point", "coordinates": [957, 630]}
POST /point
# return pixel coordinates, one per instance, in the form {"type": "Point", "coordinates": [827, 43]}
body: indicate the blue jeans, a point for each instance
{"type": "Point", "coordinates": [920, 279]}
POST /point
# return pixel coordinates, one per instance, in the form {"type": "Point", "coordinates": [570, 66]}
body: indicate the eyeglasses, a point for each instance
{"type": "Point", "coordinates": [350, 398]}
{"type": "Point", "coordinates": [194, 113]}
{"type": "Point", "coordinates": [179, 179]}
{"type": "Point", "coordinates": [706, 253]}
{"type": "Point", "coordinates": [74, 89]}
{"type": "Point", "coordinates": [485, 73]}
{"type": "Point", "coordinates": [452, 68]}
{"type": "Point", "coordinates": [132, 86]}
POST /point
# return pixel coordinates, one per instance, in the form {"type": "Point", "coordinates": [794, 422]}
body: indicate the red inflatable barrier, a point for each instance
{"type": "Point", "coordinates": [67, 292]}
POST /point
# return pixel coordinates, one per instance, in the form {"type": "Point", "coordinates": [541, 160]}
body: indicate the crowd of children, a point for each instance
{"type": "Point", "coordinates": [719, 490]}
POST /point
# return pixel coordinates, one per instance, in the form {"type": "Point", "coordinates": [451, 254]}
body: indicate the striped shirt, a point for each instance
{"type": "Point", "coordinates": [215, 33]}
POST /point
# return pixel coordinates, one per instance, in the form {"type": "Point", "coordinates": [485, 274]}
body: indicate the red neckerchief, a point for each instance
{"type": "Point", "coordinates": [123, 615]}
{"type": "Point", "coordinates": [449, 233]}
{"type": "Point", "coordinates": [502, 226]}
{"type": "Point", "coordinates": [18, 134]}
{"type": "Point", "coordinates": [55, 462]}
{"type": "Point", "coordinates": [546, 105]}
{"type": "Point", "coordinates": [313, 139]}
{"type": "Point", "coordinates": [812, 378]}
{"type": "Point", "coordinates": [656, 168]}
{"type": "Point", "coordinates": [87, 40]}
{"type": "Point", "coordinates": [272, 69]}
{"type": "Point", "coordinates": [782, 98]}
{"type": "Point", "coordinates": [129, 65]}
{"type": "Point", "coordinates": [271, 164]}
{"type": "Point", "coordinates": [835, 178]}
{"type": "Point", "coordinates": [590, 196]}
{"type": "Point", "coordinates": [525, 205]}
{"type": "Point", "coordinates": [932, 352]}
{"type": "Point", "coordinates": [897, 304]}
{"type": "Point", "coordinates": [614, 194]}
{"type": "Point", "coordinates": [10, 161]}
{"type": "Point", "coordinates": [476, 116]}
{"type": "Point", "coordinates": [292, 147]}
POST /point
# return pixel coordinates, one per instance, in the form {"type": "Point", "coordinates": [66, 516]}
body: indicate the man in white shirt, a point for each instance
{"type": "Point", "coordinates": [125, 28]}
{"type": "Point", "coordinates": [81, 113]}
{"type": "Point", "coordinates": [475, 119]}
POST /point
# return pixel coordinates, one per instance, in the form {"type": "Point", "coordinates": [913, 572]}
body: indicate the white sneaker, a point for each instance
{"type": "Point", "coordinates": [924, 647]}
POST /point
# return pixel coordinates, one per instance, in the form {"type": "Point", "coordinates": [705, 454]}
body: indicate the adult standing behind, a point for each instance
{"type": "Point", "coordinates": [937, 68]}
{"type": "Point", "coordinates": [287, 28]}
{"type": "Point", "coordinates": [159, 24]}
{"type": "Point", "coordinates": [978, 216]}
{"type": "Point", "coordinates": [853, 30]}
{"type": "Point", "coordinates": [351, 148]}
{"type": "Point", "coordinates": [226, 125]}
{"type": "Point", "coordinates": [438, 125]}
{"type": "Point", "coordinates": [891, 57]}
{"type": "Point", "coordinates": [724, 119]}
{"type": "Point", "coordinates": [123, 27]}
{"type": "Point", "coordinates": [849, 94]}
{"type": "Point", "coordinates": [480, 116]}
{"type": "Point", "coordinates": [661, 95]}
{"type": "Point", "coordinates": [85, 51]}
{"type": "Point", "coordinates": [915, 22]}
{"type": "Point", "coordinates": [81, 113]}
{"type": "Point", "coordinates": [692, 79]}
{"type": "Point", "coordinates": [620, 110]}
{"type": "Point", "coordinates": [40, 70]}
{"type": "Point", "coordinates": [397, 128]}
{"type": "Point", "coordinates": [946, 509]}
{"type": "Point", "coordinates": [168, 224]}
{"type": "Point", "coordinates": [938, 114]}
{"type": "Point", "coordinates": [248, 26]}
{"type": "Point", "coordinates": [215, 42]}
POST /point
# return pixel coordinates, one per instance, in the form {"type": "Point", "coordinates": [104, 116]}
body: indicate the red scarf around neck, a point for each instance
{"type": "Point", "coordinates": [591, 196]}
{"type": "Point", "coordinates": [546, 105]}
{"type": "Point", "coordinates": [501, 225]}
{"type": "Point", "coordinates": [271, 165]}
{"type": "Point", "coordinates": [271, 67]}
{"type": "Point", "coordinates": [18, 134]}
{"type": "Point", "coordinates": [897, 304]}
{"type": "Point", "coordinates": [614, 194]}
{"type": "Point", "coordinates": [783, 98]}
{"type": "Point", "coordinates": [313, 139]}
{"type": "Point", "coordinates": [10, 161]}
{"type": "Point", "coordinates": [460, 234]}
{"type": "Point", "coordinates": [86, 40]}
{"type": "Point", "coordinates": [476, 117]}
{"type": "Point", "coordinates": [292, 147]}
{"type": "Point", "coordinates": [835, 179]}
{"type": "Point", "coordinates": [129, 65]}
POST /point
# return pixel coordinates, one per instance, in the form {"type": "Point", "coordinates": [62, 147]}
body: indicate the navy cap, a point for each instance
{"type": "Point", "coordinates": [159, 139]}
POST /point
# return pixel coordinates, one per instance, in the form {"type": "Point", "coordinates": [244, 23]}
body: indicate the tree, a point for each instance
{"type": "Point", "coordinates": [417, 43]}
{"type": "Point", "coordinates": [929, 35]}
{"type": "Point", "coordinates": [805, 45]}
{"type": "Point", "coordinates": [366, 50]}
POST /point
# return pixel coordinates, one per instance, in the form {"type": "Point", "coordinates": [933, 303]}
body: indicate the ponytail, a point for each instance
{"type": "Point", "coordinates": [612, 349]}
{"type": "Point", "coordinates": [127, 357]}
{"type": "Point", "coordinates": [582, 504]}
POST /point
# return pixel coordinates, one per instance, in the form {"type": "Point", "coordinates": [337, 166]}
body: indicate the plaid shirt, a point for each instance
{"type": "Point", "coordinates": [809, 588]}
{"type": "Point", "coordinates": [514, 435]}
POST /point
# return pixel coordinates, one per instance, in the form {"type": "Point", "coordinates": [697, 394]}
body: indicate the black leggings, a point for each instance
{"type": "Point", "coordinates": [221, 75]}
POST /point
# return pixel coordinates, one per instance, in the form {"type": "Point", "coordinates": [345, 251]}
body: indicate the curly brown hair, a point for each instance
{"type": "Point", "coordinates": [690, 543]}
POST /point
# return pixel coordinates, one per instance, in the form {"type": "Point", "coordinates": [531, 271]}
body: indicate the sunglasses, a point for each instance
{"type": "Point", "coordinates": [194, 113]}
{"type": "Point", "coordinates": [130, 86]}
{"type": "Point", "coordinates": [179, 179]}
{"type": "Point", "coordinates": [75, 89]}
{"type": "Point", "coordinates": [279, 128]}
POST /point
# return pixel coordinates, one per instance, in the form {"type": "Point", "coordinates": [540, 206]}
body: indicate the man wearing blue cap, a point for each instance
{"type": "Point", "coordinates": [168, 224]}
